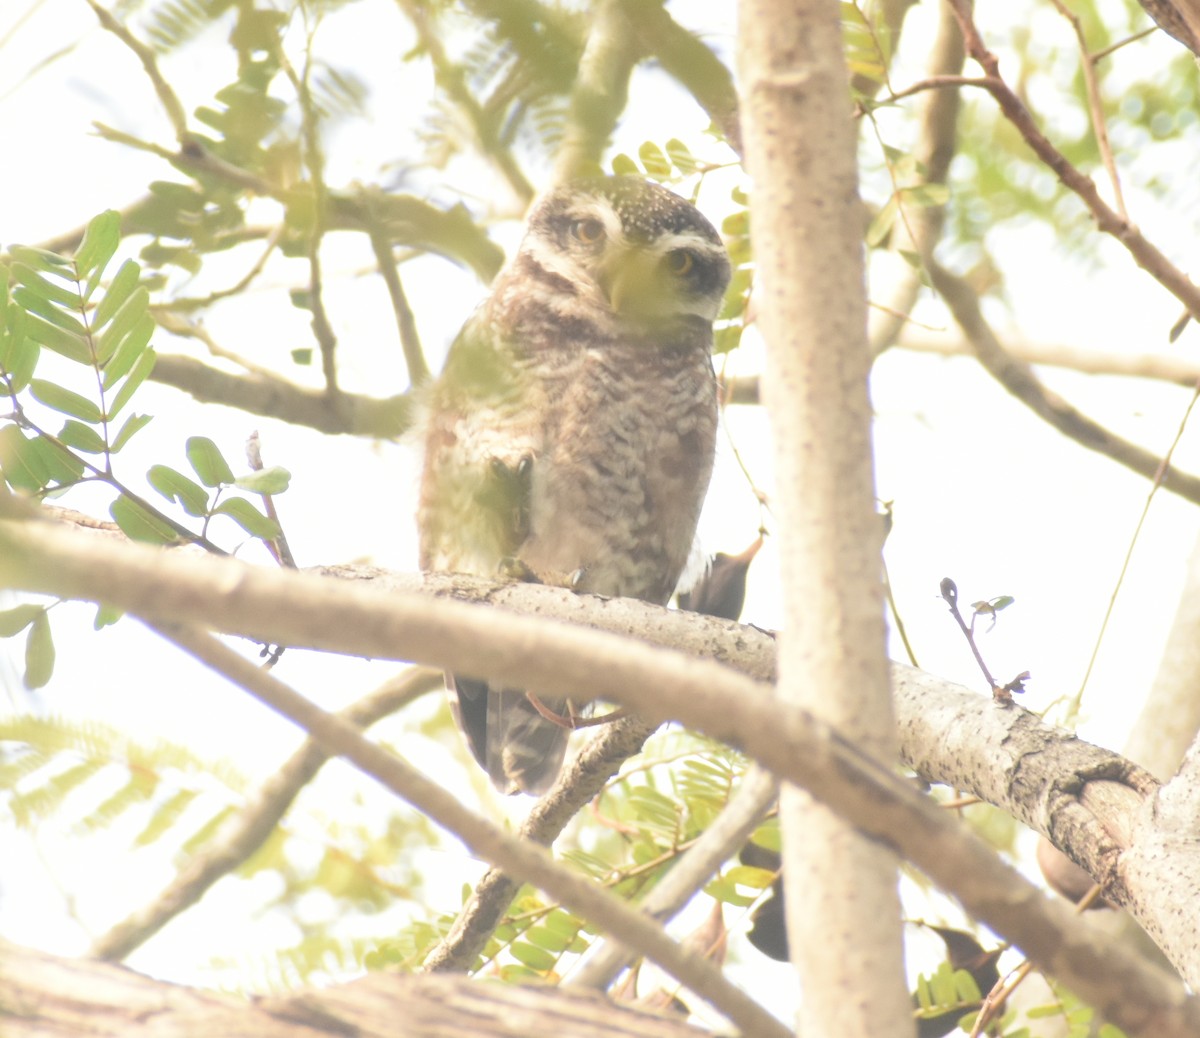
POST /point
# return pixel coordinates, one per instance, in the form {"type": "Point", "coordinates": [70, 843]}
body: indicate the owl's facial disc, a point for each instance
{"type": "Point", "coordinates": [670, 278]}
{"type": "Point", "coordinates": [632, 248]}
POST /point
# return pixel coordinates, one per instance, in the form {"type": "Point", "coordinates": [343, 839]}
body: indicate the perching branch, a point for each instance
{"type": "Point", "coordinates": [485, 838]}
{"type": "Point", "coordinates": [305, 610]}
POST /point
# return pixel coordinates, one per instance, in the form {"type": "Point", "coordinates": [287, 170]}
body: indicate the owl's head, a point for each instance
{"type": "Point", "coordinates": [629, 246]}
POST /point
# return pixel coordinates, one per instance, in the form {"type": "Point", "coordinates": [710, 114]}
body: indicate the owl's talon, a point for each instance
{"type": "Point", "coordinates": [512, 568]}
{"type": "Point", "coordinates": [576, 578]}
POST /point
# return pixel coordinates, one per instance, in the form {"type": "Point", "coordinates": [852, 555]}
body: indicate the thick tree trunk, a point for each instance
{"type": "Point", "coordinates": [842, 902]}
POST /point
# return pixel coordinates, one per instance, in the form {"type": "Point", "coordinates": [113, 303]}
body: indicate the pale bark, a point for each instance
{"type": "Point", "coordinates": [843, 906]}
{"type": "Point", "coordinates": [42, 996]}
{"type": "Point", "coordinates": [949, 734]}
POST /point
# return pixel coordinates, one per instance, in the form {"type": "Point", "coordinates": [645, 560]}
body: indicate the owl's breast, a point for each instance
{"type": "Point", "coordinates": [618, 487]}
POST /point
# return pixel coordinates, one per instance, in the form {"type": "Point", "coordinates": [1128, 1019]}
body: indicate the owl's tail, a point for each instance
{"type": "Point", "coordinates": [520, 749]}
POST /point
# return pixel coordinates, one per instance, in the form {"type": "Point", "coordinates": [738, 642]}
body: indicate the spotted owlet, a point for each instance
{"type": "Point", "coordinates": [570, 438]}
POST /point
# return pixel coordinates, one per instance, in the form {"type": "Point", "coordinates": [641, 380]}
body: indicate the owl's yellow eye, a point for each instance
{"type": "Point", "coordinates": [587, 231]}
{"type": "Point", "coordinates": [680, 261]}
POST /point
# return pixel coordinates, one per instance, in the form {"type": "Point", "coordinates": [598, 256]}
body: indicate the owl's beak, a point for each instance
{"type": "Point", "coordinates": [633, 282]}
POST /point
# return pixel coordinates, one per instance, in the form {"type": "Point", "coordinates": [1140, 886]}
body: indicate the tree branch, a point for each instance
{"type": "Point", "coordinates": [246, 831]}
{"type": "Point", "coordinates": [273, 397]}
{"type": "Point", "coordinates": [525, 651]}
{"type": "Point", "coordinates": [584, 776]}
{"type": "Point", "coordinates": [1145, 254]}
{"type": "Point", "coordinates": [42, 996]}
{"type": "Point", "coordinates": [600, 93]}
{"type": "Point", "coordinates": [719, 842]}
{"type": "Point", "coordinates": [1020, 380]}
{"type": "Point", "coordinates": [519, 857]}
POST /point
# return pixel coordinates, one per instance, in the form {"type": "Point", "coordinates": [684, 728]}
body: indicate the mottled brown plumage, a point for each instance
{"type": "Point", "coordinates": [570, 438]}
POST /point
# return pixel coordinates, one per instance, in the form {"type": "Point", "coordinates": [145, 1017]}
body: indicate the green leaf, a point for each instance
{"type": "Point", "coordinates": [248, 518]}
{"type": "Point", "coordinates": [82, 437]}
{"type": "Point", "coordinates": [140, 524]}
{"type": "Point", "coordinates": [534, 958]}
{"type": "Point", "coordinates": [274, 480]}
{"type": "Point", "coordinates": [207, 461]}
{"type": "Point", "coordinates": [65, 401]}
{"type": "Point", "coordinates": [129, 351]}
{"type": "Point", "coordinates": [61, 466]}
{"type": "Point", "coordinates": [881, 225]}
{"type": "Point", "coordinates": [15, 620]}
{"type": "Point", "coordinates": [680, 156]}
{"type": "Point", "coordinates": [58, 339]}
{"type": "Point", "coordinates": [728, 338]}
{"type": "Point", "coordinates": [133, 424]}
{"type": "Point", "coordinates": [119, 290]}
{"type": "Point", "coordinates": [47, 262]}
{"type": "Point", "coordinates": [39, 653]}
{"type": "Point", "coordinates": [749, 876]}
{"type": "Point", "coordinates": [736, 224]}
{"type": "Point", "coordinates": [548, 940]}
{"type": "Point", "coordinates": [54, 314]}
{"type": "Point", "coordinates": [623, 165]}
{"type": "Point", "coordinates": [139, 374]}
{"type": "Point", "coordinates": [47, 291]}
{"type": "Point", "coordinates": [106, 616]}
{"type": "Point", "coordinates": [654, 160]}
{"type": "Point", "coordinates": [131, 313]}
{"type": "Point", "coordinates": [99, 244]}
{"type": "Point", "coordinates": [165, 817]}
{"type": "Point", "coordinates": [722, 890]}
{"type": "Point", "coordinates": [20, 461]}
{"type": "Point", "coordinates": [302, 356]}
{"type": "Point", "coordinates": [19, 354]}
{"type": "Point", "coordinates": [175, 486]}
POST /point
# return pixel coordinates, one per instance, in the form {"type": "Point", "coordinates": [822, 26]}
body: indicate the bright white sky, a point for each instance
{"type": "Point", "coordinates": [983, 491]}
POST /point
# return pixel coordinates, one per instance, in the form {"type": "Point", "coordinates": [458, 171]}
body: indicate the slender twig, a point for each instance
{"type": "Point", "coordinates": [406, 324]}
{"type": "Point", "coordinates": [600, 92]}
{"type": "Point", "coordinates": [167, 97]}
{"type": "Point", "coordinates": [277, 546]}
{"type": "Point", "coordinates": [187, 303]}
{"type": "Point", "coordinates": [941, 82]}
{"type": "Point", "coordinates": [949, 592]}
{"type": "Point", "coordinates": [188, 328]}
{"type": "Point", "coordinates": [1095, 104]}
{"type": "Point", "coordinates": [1144, 253]}
{"type": "Point", "coordinates": [581, 780]}
{"type": "Point", "coordinates": [724, 835]}
{"type": "Point", "coordinates": [1019, 379]}
{"type": "Point", "coordinates": [248, 829]}
{"type": "Point", "coordinates": [1114, 47]}
{"type": "Point", "coordinates": [314, 159]}
{"type": "Point", "coordinates": [452, 80]}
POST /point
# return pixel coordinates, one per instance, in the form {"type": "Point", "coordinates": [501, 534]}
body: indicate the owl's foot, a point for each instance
{"type": "Point", "coordinates": [571, 719]}
{"type": "Point", "coordinates": [512, 568]}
